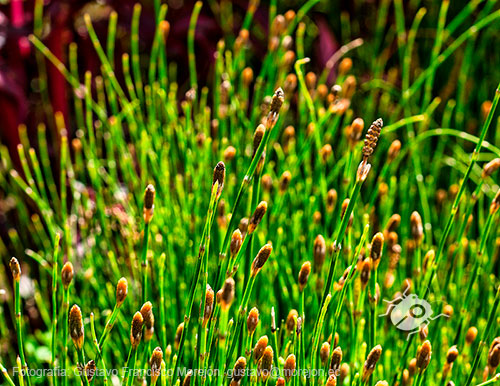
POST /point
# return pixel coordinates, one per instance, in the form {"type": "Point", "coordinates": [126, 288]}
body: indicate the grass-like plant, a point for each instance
{"type": "Point", "coordinates": [274, 264]}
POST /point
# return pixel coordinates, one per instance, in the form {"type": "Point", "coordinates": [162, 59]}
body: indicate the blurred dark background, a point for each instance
{"type": "Point", "coordinates": [330, 24]}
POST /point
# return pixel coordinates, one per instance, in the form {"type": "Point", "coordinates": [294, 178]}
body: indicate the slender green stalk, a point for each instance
{"type": "Point", "coordinates": [55, 272]}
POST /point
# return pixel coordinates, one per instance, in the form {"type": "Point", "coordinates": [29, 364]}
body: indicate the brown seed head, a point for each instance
{"type": "Point", "coordinates": [424, 355]}
{"type": "Point", "coordinates": [276, 103]}
{"type": "Point", "coordinates": [448, 310]}
{"type": "Point", "coordinates": [393, 223]}
{"type": "Point", "coordinates": [257, 216]}
{"type": "Point", "coordinates": [267, 182]}
{"type": "Point", "coordinates": [266, 363]}
{"type": "Point", "coordinates": [227, 295]}
{"type": "Point", "coordinates": [412, 367]}
{"type": "Point", "coordinates": [136, 329]}
{"type": "Point", "coordinates": [15, 268]}
{"type": "Point", "coordinates": [90, 369]}
{"type": "Point", "coordinates": [149, 197]}
{"type": "Point", "coordinates": [280, 381]}
{"type": "Point", "coordinates": [331, 200]}
{"type": "Point", "coordinates": [304, 272]}
{"type": "Point", "coordinates": [259, 348]}
{"type": "Point", "coordinates": [490, 168]}
{"type": "Point", "coordinates": [76, 326]}
{"type": "Point", "coordinates": [243, 225]}
{"type": "Point", "coordinates": [319, 252]}
{"type": "Point", "coordinates": [336, 360]}
{"type": "Point", "coordinates": [285, 179]}
{"type": "Point", "coordinates": [148, 320]}
{"type": "Point", "coordinates": [417, 229]}
{"type": "Point", "coordinates": [121, 291]}
{"type": "Point", "coordinates": [261, 259]}
{"type": "Point", "coordinates": [325, 152]}
{"type": "Point", "coordinates": [247, 76]}
{"type": "Point", "coordinates": [349, 87]}
{"type": "Point", "coordinates": [311, 79]}
{"type": "Point", "coordinates": [365, 272]}
{"type": "Point", "coordinates": [344, 371]}
{"type": "Point", "coordinates": [229, 153]}
{"type": "Point", "coordinates": [209, 304]}
{"type": "Point", "coordinates": [289, 367]}
{"type": "Point", "coordinates": [495, 203]}
{"type": "Point", "coordinates": [239, 369]}
{"type": "Point", "coordinates": [332, 380]}
{"type": "Point", "coordinates": [376, 248]}
{"type": "Point", "coordinates": [324, 352]}
{"type": "Point", "coordinates": [236, 241]}
{"type": "Point", "coordinates": [494, 357]}
{"type": "Point", "coordinates": [149, 200]}
{"type": "Point", "coordinates": [252, 320]}
{"type": "Point", "coordinates": [393, 151]}
{"type": "Point", "coordinates": [345, 204]}
{"type": "Point", "coordinates": [290, 83]}
{"type": "Point", "coordinates": [67, 273]}
{"type": "Point", "coordinates": [156, 359]}
{"type": "Point", "coordinates": [372, 137]}
{"type": "Point", "coordinates": [452, 354]}
{"type": "Point", "coordinates": [371, 362]}
{"type": "Point", "coordinates": [291, 320]}
{"type": "Point", "coordinates": [356, 130]}
{"type": "Point", "coordinates": [219, 175]}
{"type": "Point", "coordinates": [345, 66]}
{"type": "Point", "coordinates": [178, 335]}
{"type": "Point", "coordinates": [322, 91]}
{"type": "Point", "coordinates": [257, 137]}
{"type": "Point", "coordinates": [471, 334]}
{"type": "Point", "coordinates": [187, 378]}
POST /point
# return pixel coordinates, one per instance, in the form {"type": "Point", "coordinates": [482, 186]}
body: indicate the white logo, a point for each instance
{"type": "Point", "coordinates": [410, 313]}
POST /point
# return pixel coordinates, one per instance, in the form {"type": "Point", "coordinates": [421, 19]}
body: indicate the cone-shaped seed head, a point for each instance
{"type": "Point", "coordinates": [257, 216]}
{"type": "Point", "coordinates": [261, 258]}
{"type": "Point", "coordinates": [252, 320]}
{"type": "Point", "coordinates": [121, 291]}
{"type": "Point", "coordinates": [15, 269]}
{"type": "Point", "coordinates": [371, 362]}
{"type": "Point", "coordinates": [259, 348]}
{"type": "Point", "coordinates": [304, 272]}
{"type": "Point", "coordinates": [76, 326]}
{"type": "Point", "coordinates": [227, 295]}
{"type": "Point", "coordinates": [67, 274]}
{"type": "Point", "coordinates": [136, 330]}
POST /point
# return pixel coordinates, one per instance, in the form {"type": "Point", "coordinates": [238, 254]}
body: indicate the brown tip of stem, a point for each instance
{"type": "Point", "coordinates": [227, 295]}
{"type": "Point", "coordinates": [252, 320]}
{"type": "Point", "coordinates": [261, 258]}
{"type": "Point", "coordinates": [259, 348]}
{"type": "Point", "coordinates": [236, 241]}
{"type": "Point", "coordinates": [304, 272]}
{"type": "Point", "coordinates": [289, 367]}
{"type": "Point", "coordinates": [15, 268]}
{"type": "Point", "coordinates": [371, 362]}
{"type": "Point", "coordinates": [219, 176]}
{"type": "Point", "coordinates": [76, 326]}
{"type": "Point", "coordinates": [121, 291]}
{"type": "Point", "coordinates": [424, 355]}
{"type": "Point", "coordinates": [156, 359]}
{"type": "Point", "coordinates": [136, 329]}
{"type": "Point", "coordinates": [67, 273]}
{"type": "Point", "coordinates": [239, 369]}
{"type": "Point", "coordinates": [209, 304]}
{"type": "Point", "coordinates": [257, 216]}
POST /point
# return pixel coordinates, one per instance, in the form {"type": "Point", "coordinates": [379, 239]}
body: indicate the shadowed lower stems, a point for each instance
{"type": "Point", "coordinates": [214, 199]}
